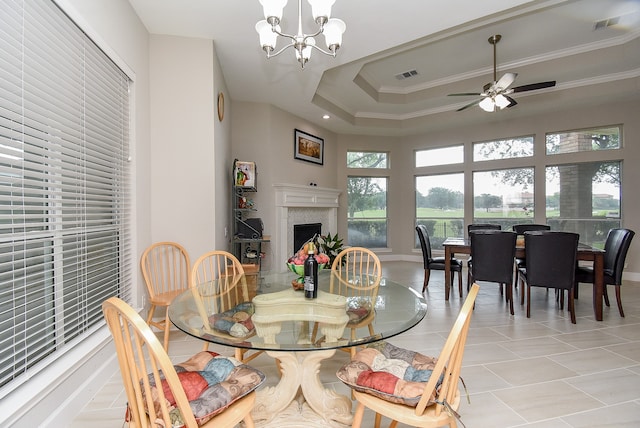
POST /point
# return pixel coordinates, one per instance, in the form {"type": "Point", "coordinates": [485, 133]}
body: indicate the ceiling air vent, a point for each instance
{"type": "Point", "coordinates": [606, 23]}
{"type": "Point", "coordinates": [407, 74]}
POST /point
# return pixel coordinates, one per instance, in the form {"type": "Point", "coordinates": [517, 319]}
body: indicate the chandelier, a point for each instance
{"type": "Point", "coordinates": [303, 44]}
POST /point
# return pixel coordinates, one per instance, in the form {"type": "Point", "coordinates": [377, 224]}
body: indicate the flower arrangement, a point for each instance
{"type": "Point", "coordinates": [330, 245]}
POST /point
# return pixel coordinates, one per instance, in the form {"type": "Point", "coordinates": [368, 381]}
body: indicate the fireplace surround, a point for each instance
{"type": "Point", "coordinates": [297, 204]}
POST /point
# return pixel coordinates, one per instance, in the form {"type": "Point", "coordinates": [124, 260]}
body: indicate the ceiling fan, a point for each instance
{"type": "Point", "coordinates": [496, 93]}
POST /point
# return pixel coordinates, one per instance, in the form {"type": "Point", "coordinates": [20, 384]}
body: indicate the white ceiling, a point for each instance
{"type": "Point", "coordinates": [445, 42]}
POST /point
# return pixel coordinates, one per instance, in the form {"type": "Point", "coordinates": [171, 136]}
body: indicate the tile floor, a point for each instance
{"type": "Point", "coordinates": [537, 372]}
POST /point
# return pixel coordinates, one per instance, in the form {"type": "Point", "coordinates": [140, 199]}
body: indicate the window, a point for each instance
{"type": "Point", "coordinates": [584, 198]}
{"type": "Point", "coordinates": [442, 156]}
{"type": "Point", "coordinates": [64, 187]}
{"type": "Point", "coordinates": [586, 140]}
{"type": "Point", "coordinates": [503, 196]}
{"type": "Point", "coordinates": [440, 206]}
{"type": "Point", "coordinates": [503, 149]}
{"type": "Point", "coordinates": [367, 211]}
{"type": "Point", "coordinates": [367, 160]}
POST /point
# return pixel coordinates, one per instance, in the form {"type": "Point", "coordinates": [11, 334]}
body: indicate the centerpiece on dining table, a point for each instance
{"type": "Point", "coordinates": [296, 263]}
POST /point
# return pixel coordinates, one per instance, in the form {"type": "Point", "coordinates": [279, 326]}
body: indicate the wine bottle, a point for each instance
{"type": "Point", "coordinates": [311, 274]}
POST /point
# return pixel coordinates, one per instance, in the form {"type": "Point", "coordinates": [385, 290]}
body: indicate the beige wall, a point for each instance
{"type": "Point", "coordinates": [253, 121]}
{"type": "Point", "coordinates": [264, 134]}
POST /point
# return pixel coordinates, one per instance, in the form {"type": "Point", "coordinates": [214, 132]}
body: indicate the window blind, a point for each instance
{"type": "Point", "coordinates": [65, 208]}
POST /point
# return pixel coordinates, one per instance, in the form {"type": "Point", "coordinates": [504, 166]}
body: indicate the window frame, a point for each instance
{"type": "Point", "coordinates": [74, 244]}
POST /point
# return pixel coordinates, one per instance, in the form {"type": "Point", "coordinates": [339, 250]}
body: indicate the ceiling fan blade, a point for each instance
{"type": "Point", "coordinates": [534, 86]}
{"type": "Point", "coordinates": [512, 102]}
{"type": "Point", "coordinates": [469, 105]}
{"type": "Point", "coordinates": [505, 81]}
{"type": "Point", "coordinates": [464, 94]}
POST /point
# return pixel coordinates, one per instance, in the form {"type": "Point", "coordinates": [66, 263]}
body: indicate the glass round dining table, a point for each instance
{"type": "Point", "coordinates": [300, 333]}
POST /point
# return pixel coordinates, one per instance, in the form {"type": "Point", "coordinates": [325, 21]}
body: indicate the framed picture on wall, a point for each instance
{"type": "Point", "coordinates": [308, 147]}
{"type": "Point", "coordinates": [244, 174]}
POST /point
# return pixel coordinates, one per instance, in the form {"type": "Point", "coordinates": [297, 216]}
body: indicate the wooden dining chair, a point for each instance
{"type": "Point", "coordinates": [435, 263]}
{"type": "Point", "coordinates": [221, 285]}
{"type": "Point", "coordinates": [166, 270]}
{"type": "Point", "coordinates": [616, 247]}
{"type": "Point", "coordinates": [206, 391]}
{"type": "Point", "coordinates": [492, 259]}
{"type": "Point", "coordinates": [356, 274]}
{"type": "Point", "coordinates": [380, 380]}
{"type": "Point", "coordinates": [551, 263]}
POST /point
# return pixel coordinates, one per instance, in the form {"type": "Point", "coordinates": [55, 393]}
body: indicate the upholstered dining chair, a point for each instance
{"type": "Point", "coordinates": [479, 226]}
{"type": "Point", "coordinates": [551, 263]}
{"type": "Point", "coordinates": [219, 279]}
{"type": "Point", "coordinates": [492, 259]}
{"type": "Point", "coordinates": [356, 274]}
{"type": "Point", "coordinates": [166, 270]}
{"type": "Point", "coordinates": [482, 226]}
{"type": "Point", "coordinates": [206, 391]}
{"type": "Point", "coordinates": [435, 263]}
{"type": "Point", "coordinates": [616, 247]}
{"type": "Point", "coordinates": [520, 229]}
{"type": "Point", "coordinates": [379, 378]}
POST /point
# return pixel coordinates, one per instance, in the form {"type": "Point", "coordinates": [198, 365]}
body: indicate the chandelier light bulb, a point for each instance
{"type": "Point", "coordinates": [321, 10]}
{"type": "Point", "coordinates": [268, 38]}
{"type": "Point", "coordinates": [333, 31]}
{"type": "Point", "coordinates": [273, 10]}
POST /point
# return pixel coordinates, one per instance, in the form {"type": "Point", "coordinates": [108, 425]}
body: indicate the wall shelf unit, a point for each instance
{"type": "Point", "coordinates": [247, 229]}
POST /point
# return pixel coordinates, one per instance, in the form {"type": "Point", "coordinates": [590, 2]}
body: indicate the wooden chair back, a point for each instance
{"type": "Point", "coordinates": [219, 276]}
{"type": "Point", "coordinates": [430, 410]}
{"type": "Point", "coordinates": [144, 363]}
{"type": "Point", "coordinates": [166, 269]}
{"type": "Point", "coordinates": [219, 284]}
{"type": "Point", "coordinates": [450, 360]}
{"type": "Point", "coordinates": [356, 272]}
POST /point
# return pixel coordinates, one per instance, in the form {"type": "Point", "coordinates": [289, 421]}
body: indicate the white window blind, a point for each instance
{"type": "Point", "coordinates": [65, 210]}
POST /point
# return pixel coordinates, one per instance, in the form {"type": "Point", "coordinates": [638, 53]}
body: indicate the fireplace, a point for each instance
{"type": "Point", "coordinates": [296, 204]}
{"type": "Point", "coordinates": [304, 232]}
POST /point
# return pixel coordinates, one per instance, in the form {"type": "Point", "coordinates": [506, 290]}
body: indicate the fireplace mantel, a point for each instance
{"type": "Point", "coordinates": [292, 199]}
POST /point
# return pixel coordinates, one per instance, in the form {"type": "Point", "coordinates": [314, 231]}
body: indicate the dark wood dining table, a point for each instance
{"type": "Point", "coordinates": [454, 246]}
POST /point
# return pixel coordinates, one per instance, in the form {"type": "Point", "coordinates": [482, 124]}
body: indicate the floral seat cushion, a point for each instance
{"type": "Point", "coordinates": [358, 308]}
{"type": "Point", "coordinates": [212, 382]}
{"type": "Point", "coordinates": [236, 321]}
{"type": "Point", "coordinates": [389, 372]}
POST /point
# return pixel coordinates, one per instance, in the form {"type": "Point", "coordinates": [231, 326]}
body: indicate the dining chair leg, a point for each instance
{"type": "Point", "coordinates": [619, 300]}
{"type": "Point", "coordinates": [427, 274]}
{"type": "Point", "coordinates": [528, 301]}
{"type": "Point", "coordinates": [459, 282]}
{"type": "Point", "coordinates": [378, 420]}
{"type": "Point", "coordinates": [571, 306]}
{"type": "Point", "coordinates": [357, 417]}
{"type": "Point", "coordinates": [605, 295]}
{"type": "Point", "coordinates": [509, 294]}
{"type": "Point", "coordinates": [167, 327]}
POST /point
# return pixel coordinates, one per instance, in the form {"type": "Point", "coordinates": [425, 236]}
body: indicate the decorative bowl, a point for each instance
{"type": "Point", "coordinates": [299, 269]}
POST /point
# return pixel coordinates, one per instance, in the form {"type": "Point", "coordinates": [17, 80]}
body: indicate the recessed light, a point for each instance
{"type": "Point", "coordinates": [326, 116]}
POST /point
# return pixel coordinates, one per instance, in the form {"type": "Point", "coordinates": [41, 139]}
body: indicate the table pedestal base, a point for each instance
{"type": "Point", "coordinates": [300, 399]}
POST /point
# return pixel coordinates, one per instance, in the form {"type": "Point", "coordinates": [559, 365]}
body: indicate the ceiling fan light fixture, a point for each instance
{"type": "Point", "coordinates": [487, 105]}
{"type": "Point", "coordinates": [501, 101]}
